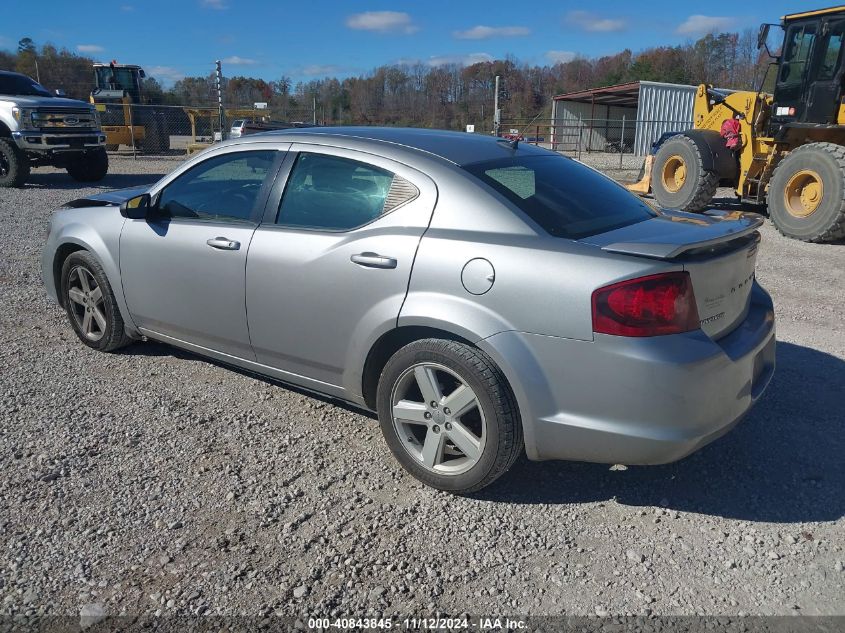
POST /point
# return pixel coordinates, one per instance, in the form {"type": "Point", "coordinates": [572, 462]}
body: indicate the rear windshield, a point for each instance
{"type": "Point", "coordinates": [563, 196]}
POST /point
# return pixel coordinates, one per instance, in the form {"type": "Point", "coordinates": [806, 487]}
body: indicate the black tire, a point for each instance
{"type": "Point", "coordinates": [14, 165]}
{"type": "Point", "coordinates": [113, 335]}
{"type": "Point", "coordinates": [698, 187]}
{"type": "Point", "coordinates": [89, 166]}
{"type": "Point", "coordinates": [827, 221]}
{"type": "Point", "coordinates": [503, 443]}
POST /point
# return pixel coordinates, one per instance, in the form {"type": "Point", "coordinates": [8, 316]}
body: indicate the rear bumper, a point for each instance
{"type": "Point", "coordinates": [636, 400]}
{"type": "Point", "coordinates": [36, 141]}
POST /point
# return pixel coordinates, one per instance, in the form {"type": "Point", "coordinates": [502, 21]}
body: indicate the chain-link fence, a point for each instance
{"type": "Point", "coordinates": [607, 144]}
{"type": "Point", "coordinates": [162, 129]}
{"type": "Point", "coordinates": [615, 145]}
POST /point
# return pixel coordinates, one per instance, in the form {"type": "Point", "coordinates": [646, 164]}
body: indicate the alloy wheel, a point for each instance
{"type": "Point", "coordinates": [86, 303]}
{"type": "Point", "coordinates": [438, 419]}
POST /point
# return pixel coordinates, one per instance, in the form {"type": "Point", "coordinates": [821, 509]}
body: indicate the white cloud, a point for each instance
{"type": "Point", "coordinates": [382, 22]}
{"type": "Point", "coordinates": [236, 60]}
{"type": "Point", "coordinates": [481, 32]}
{"type": "Point", "coordinates": [89, 48]}
{"type": "Point", "coordinates": [312, 70]}
{"type": "Point", "coordinates": [217, 5]}
{"type": "Point", "coordinates": [594, 23]}
{"type": "Point", "coordinates": [560, 57]}
{"type": "Point", "coordinates": [703, 24]}
{"type": "Point", "coordinates": [461, 60]}
{"type": "Point", "coordinates": [165, 74]}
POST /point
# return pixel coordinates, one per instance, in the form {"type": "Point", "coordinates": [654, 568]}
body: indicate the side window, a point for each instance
{"type": "Point", "coordinates": [830, 55]}
{"type": "Point", "coordinates": [799, 42]}
{"type": "Point", "coordinates": [221, 188]}
{"type": "Point", "coordinates": [339, 194]}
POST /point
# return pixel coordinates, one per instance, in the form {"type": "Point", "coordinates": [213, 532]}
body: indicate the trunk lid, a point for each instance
{"type": "Point", "coordinates": [718, 249]}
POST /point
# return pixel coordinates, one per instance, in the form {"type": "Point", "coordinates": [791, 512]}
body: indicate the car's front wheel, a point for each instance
{"type": "Point", "coordinates": [90, 303]}
{"type": "Point", "coordinates": [448, 415]}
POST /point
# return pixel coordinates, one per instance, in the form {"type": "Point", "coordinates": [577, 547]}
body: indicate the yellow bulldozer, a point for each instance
{"type": "Point", "coordinates": [785, 149]}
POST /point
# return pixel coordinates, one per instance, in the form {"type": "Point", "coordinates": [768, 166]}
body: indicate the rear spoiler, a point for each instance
{"type": "Point", "coordinates": [715, 228]}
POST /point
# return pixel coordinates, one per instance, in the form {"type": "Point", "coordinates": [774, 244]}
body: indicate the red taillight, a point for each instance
{"type": "Point", "coordinates": [646, 306]}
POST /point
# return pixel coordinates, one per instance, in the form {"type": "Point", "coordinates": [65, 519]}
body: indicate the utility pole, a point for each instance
{"type": "Point", "coordinates": [314, 109]}
{"type": "Point", "coordinates": [220, 112]}
{"type": "Point", "coordinates": [37, 74]}
{"type": "Point", "coordinates": [496, 112]}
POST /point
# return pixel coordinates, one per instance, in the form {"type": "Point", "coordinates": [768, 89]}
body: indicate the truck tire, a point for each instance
{"type": "Point", "coordinates": [89, 167]}
{"type": "Point", "coordinates": [806, 195]}
{"type": "Point", "coordinates": [678, 178]}
{"type": "Point", "coordinates": [14, 165]}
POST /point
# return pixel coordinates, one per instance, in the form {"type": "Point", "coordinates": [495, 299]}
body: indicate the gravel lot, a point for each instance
{"type": "Point", "coordinates": [155, 481]}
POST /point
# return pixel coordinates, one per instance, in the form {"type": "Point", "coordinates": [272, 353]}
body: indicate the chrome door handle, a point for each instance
{"type": "Point", "coordinates": [373, 260]}
{"type": "Point", "coordinates": [223, 243]}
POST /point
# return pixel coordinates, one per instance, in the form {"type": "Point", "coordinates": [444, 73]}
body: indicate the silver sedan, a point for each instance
{"type": "Point", "coordinates": [484, 296]}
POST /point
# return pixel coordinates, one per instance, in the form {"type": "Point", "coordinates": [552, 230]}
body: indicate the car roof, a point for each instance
{"type": "Point", "coordinates": [9, 72]}
{"type": "Point", "coordinates": [460, 148]}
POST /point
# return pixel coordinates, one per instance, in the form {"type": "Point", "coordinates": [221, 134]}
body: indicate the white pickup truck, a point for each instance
{"type": "Point", "coordinates": [38, 128]}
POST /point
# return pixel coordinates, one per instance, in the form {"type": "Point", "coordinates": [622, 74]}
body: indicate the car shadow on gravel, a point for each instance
{"type": "Point", "coordinates": [154, 348]}
{"type": "Point", "coordinates": [111, 181]}
{"type": "Point", "coordinates": [784, 463]}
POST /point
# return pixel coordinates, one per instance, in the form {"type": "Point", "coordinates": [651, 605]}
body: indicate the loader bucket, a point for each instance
{"type": "Point", "coordinates": [643, 185]}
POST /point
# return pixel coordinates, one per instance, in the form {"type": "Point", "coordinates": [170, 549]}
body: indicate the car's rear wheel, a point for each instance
{"type": "Point", "coordinates": [90, 303]}
{"type": "Point", "coordinates": [448, 415]}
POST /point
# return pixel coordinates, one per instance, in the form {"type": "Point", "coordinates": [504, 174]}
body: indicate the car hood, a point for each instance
{"type": "Point", "coordinates": [108, 198]}
{"type": "Point", "coordinates": [44, 102]}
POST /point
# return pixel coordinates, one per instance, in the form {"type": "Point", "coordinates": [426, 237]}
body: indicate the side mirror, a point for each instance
{"type": "Point", "coordinates": [763, 35]}
{"type": "Point", "coordinates": [60, 92]}
{"type": "Point", "coordinates": [136, 208]}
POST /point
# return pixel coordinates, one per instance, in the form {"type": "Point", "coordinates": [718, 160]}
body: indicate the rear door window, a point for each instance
{"type": "Point", "coordinates": [339, 194]}
{"type": "Point", "coordinates": [564, 197]}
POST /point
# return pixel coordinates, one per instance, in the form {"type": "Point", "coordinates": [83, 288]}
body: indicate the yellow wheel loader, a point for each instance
{"type": "Point", "coordinates": [785, 150]}
{"type": "Point", "coordinates": [119, 84]}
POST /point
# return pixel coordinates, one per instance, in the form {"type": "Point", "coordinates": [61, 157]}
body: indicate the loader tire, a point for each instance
{"type": "Point", "coordinates": [806, 194]}
{"type": "Point", "coordinates": [678, 178]}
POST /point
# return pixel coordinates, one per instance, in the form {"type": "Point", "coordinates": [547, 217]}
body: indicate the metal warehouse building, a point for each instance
{"type": "Point", "coordinates": [627, 116]}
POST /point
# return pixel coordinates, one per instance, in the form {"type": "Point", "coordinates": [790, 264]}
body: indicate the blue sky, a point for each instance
{"type": "Point", "coordinates": [306, 40]}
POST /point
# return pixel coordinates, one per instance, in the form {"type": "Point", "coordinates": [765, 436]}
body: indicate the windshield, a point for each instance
{"type": "Point", "coordinates": [22, 85]}
{"type": "Point", "coordinates": [109, 78]}
{"type": "Point", "coordinates": [564, 197]}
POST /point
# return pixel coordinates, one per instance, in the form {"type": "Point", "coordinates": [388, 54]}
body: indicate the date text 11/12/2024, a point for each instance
{"type": "Point", "coordinates": [415, 623]}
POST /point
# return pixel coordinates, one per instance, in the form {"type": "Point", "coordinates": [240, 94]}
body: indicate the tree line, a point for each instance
{"type": "Point", "coordinates": [419, 94]}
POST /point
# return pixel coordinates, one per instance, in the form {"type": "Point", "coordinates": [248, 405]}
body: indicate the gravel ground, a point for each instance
{"type": "Point", "coordinates": [154, 481]}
